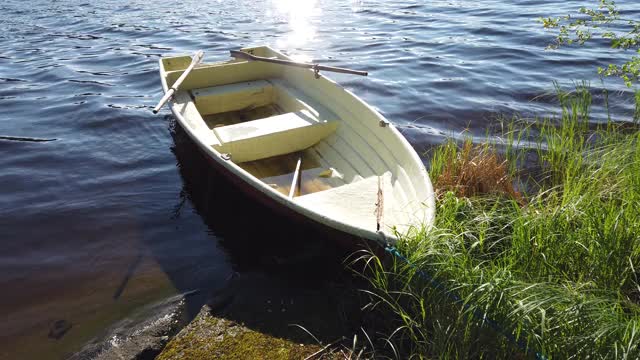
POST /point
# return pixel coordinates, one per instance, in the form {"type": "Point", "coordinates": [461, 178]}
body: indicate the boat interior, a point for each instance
{"type": "Point", "coordinates": [267, 128]}
{"type": "Point", "coordinates": [265, 120]}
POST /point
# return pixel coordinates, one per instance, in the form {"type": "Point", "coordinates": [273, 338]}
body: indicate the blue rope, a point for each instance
{"type": "Point", "coordinates": [456, 299]}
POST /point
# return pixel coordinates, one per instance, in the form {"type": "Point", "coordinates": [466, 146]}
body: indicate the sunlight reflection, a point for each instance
{"type": "Point", "coordinates": [299, 15]}
{"type": "Point", "coordinates": [301, 58]}
{"type": "Point", "coordinates": [357, 5]}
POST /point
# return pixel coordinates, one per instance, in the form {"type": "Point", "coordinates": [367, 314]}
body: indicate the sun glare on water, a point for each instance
{"type": "Point", "coordinates": [299, 15]}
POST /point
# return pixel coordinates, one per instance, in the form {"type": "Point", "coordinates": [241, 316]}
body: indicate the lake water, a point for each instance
{"type": "Point", "coordinates": [120, 211]}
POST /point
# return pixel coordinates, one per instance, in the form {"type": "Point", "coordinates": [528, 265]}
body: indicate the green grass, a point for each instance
{"type": "Point", "coordinates": [535, 248]}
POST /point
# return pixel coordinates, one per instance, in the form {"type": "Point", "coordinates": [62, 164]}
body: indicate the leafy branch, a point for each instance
{"type": "Point", "coordinates": [603, 22]}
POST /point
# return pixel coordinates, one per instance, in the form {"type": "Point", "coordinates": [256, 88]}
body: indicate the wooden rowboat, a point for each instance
{"type": "Point", "coordinates": [301, 143]}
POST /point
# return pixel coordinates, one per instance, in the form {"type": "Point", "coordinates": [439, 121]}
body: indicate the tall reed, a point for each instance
{"type": "Point", "coordinates": [551, 272]}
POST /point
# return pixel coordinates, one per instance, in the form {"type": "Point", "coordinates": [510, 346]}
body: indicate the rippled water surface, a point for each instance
{"type": "Point", "coordinates": [119, 210]}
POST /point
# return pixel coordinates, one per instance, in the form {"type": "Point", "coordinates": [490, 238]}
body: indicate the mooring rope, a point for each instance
{"type": "Point", "coordinates": [453, 296]}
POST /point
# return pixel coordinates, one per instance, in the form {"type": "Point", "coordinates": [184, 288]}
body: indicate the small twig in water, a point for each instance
{"type": "Point", "coordinates": [19, 138]}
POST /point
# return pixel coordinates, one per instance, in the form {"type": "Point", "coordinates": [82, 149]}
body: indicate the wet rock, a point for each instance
{"type": "Point", "coordinates": [212, 337]}
{"type": "Point", "coordinates": [141, 336]}
{"type": "Point", "coordinates": [59, 328]}
{"type": "Point", "coordinates": [223, 296]}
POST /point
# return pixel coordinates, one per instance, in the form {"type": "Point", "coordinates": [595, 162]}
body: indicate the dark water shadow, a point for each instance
{"type": "Point", "coordinates": [285, 275]}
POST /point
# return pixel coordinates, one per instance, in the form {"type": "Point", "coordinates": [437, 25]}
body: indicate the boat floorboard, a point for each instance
{"type": "Point", "coordinates": [239, 116]}
{"type": "Point", "coordinates": [278, 172]}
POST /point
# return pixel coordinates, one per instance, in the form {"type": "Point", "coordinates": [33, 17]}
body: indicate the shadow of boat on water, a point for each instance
{"type": "Point", "coordinates": [284, 273]}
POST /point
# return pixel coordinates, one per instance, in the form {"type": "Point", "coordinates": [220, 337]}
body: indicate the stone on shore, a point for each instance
{"type": "Point", "coordinates": [211, 337]}
{"type": "Point", "coordinates": [264, 317]}
{"type": "Point", "coordinates": [141, 336]}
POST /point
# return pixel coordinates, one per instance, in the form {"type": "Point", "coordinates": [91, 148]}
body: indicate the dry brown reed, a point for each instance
{"type": "Point", "coordinates": [477, 170]}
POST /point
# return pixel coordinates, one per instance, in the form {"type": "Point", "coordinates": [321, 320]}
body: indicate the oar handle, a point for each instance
{"type": "Point", "coordinates": [197, 58]}
{"type": "Point", "coordinates": [163, 101]}
{"type": "Point", "coordinates": [317, 67]}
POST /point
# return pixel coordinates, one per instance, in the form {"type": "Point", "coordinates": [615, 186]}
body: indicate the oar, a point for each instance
{"type": "Point", "coordinates": [295, 184]}
{"type": "Point", "coordinates": [316, 67]}
{"type": "Point", "coordinates": [196, 59]}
